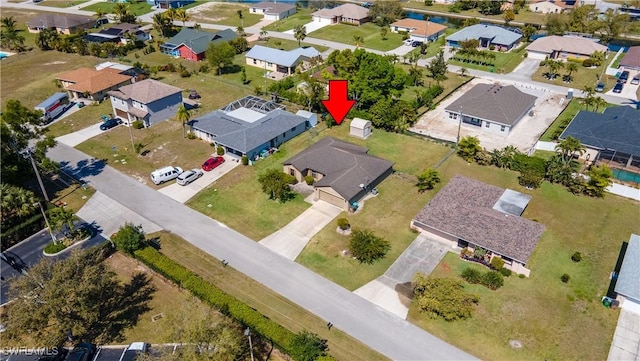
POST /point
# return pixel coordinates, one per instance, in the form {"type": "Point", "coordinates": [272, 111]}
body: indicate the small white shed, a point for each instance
{"type": "Point", "coordinates": [360, 128]}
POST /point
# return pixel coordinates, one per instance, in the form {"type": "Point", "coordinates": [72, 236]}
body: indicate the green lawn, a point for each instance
{"type": "Point", "coordinates": [266, 301]}
{"type": "Point", "coordinates": [62, 3]}
{"type": "Point", "coordinates": [370, 32]}
{"type": "Point", "coordinates": [553, 320]}
{"type": "Point", "coordinates": [285, 44]}
{"type": "Point", "coordinates": [226, 14]}
{"type": "Point", "coordinates": [301, 17]}
{"type": "Point", "coordinates": [138, 8]}
{"type": "Point", "coordinates": [523, 15]}
{"type": "Point", "coordinates": [504, 62]}
{"type": "Point", "coordinates": [583, 77]}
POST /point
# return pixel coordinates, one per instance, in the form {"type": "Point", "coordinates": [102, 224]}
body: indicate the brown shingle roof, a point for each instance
{"type": "Point", "coordinates": [631, 58]}
{"type": "Point", "coordinates": [93, 81]}
{"type": "Point", "coordinates": [344, 165]}
{"type": "Point", "coordinates": [273, 7]}
{"type": "Point", "coordinates": [464, 209]}
{"type": "Point", "coordinates": [145, 91]}
{"type": "Point", "coordinates": [575, 45]}
{"type": "Point", "coordinates": [494, 102]}
{"type": "Point", "coordinates": [420, 27]}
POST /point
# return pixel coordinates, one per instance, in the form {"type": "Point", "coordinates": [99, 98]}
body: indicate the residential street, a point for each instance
{"type": "Point", "coordinates": [372, 325]}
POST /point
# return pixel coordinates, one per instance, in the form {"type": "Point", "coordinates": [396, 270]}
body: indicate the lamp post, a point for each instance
{"type": "Point", "coordinates": [459, 125]}
{"type": "Point", "coordinates": [46, 221]}
{"type": "Point", "coordinates": [247, 332]}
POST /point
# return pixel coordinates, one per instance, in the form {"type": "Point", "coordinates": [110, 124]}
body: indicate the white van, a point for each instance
{"type": "Point", "coordinates": [165, 174]}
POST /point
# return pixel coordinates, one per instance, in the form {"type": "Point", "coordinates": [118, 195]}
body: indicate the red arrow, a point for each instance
{"type": "Point", "coordinates": [338, 104]}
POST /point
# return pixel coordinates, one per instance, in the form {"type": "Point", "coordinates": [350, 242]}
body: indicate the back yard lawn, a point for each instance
{"type": "Point", "coordinates": [369, 32]}
{"type": "Point", "coordinates": [137, 8]}
{"type": "Point", "coordinates": [552, 320]}
{"type": "Point", "coordinates": [523, 15]}
{"type": "Point", "coordinates": [301, 17]}
{"type": "Point", "coordinates": [583, 77]}
{"type": "Point", "coordinates": [504, 62]}
{"type": "Point", "coordinates": [224, 14]}
{"type": "Point", "coordinates": [62, 3]}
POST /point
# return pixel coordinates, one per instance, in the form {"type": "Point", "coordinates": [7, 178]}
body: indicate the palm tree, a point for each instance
{"type": "Point", "coordinates": [358, 41]}
{"type": "Point", "coordinates": [160, 23]}
{"type": "Point", "coordinates": [568, 147]}
{"type": "Point", "coordinates": [299, 32]}
{"type": "Point", "coordinates": [553, 66]}
{"type": "Point", "coordinates": [10, 36]}
{"type": "Point", "coordinates": [99, 14]}
{"type": "Point", "coordinates": [183, 116]}
{"type": "Point", "coordinates": [47, 39]}
{"type": "Point", "coordinates": [61, 217]}
{"type": "Point", "coordinates": [599, 102]}
{"type": "Point", "coordinates": [240, 31]}
{"type": "Point", "coordinates": [463, 71]}
{"type": "Point", "coordinates": [122, 11]}
{"type": "Point", "coordinates": [171, 14]}
{"type": "Point", "coordinates": [413, 58]}
{"type": "Point", "coordinates": [181, 14]}
{"type": "Point", "coordinates": [263, 34]}
{"type": "Point", "coordinates": [16, 202]}
{"type": "Point", "coordinates": [571, 67]}
{"type": "Point", "coordinates": [588, 99]}
{"type": "Point", "coordinates": [241, 17]}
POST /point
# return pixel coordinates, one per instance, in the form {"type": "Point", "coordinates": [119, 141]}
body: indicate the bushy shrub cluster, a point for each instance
{"type": "Point", "coordinates": [490, 279]}
{"type": "Point", "coordinates": [309, 180]}
{"type": "Point", "coordinates": [343, 223]}
{"type": "Point", "coordinates": [137, 124]}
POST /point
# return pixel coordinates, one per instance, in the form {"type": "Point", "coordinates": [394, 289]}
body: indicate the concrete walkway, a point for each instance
{"type": "Point", "coordinates": [626, 340]}
{"type": "Point", "coordinates": [291, 239]}
{"type": "Point", "coordinates": [110, 215]}
{"type": "Point", "coordinates": [310, 27]}
{"type": "Point", "coordinates": [183, 193]}
{"type": "Point", "coordinates": [391, 291]}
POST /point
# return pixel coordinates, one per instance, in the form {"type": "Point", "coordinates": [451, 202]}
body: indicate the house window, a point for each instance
{"type": "Point", "coordinates": [486, 124]}
{"type": "Point", "coordinates": [314, 174]}
{"type": "Point", "coordinates": [292, 172]}
{"type": "Point", "coordinates": [453, 115]}
{"type": "Point", "coordinates": [502, 128]}
{"type": "Point", "coordinates": [293, 129]}
{"type": "Point", "coordinates": [255, 61]}
{"type": "Point", "coordinates": [270, 64]}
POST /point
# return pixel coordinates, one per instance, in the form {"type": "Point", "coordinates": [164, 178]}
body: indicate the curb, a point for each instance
{"type": "Point", "coordinates": [93, 234]}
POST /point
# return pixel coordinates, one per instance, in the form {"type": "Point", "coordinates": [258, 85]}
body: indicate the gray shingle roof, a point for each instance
{"type": "Point", "coordinates": [617, 128]}
{"type": "Point", "coordinates": [628, 283]}
{"type": "Point", "coordinates": [494, 102]}
{"type": "Point", "coordinates": [344, 166]}
{"type": "Point", "coordinates": [273, 7]}
{"type": "Point", "coordinates": [59, 21]}
{"type": "Point", "coordinates": [497, 34]}
{"type": "Point", "coordinates": [281, 57]}
{"type": "Point", "coordinates": [464, 208]}
{"type": "Point", "coordinates": [246, 136]}
{"type": "Point", "coordinates": [575, 45]}
{"type": "Point", "coordinates": [145, 91]}
{"type": "Point", "coordinates": [198, 40]}
{"type": "Point", "coordinates": [350, 11]}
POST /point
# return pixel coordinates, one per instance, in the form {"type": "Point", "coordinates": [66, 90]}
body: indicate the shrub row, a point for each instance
{"type": "Point", "coordinates": [490, 279]}
{"type": "Point", "coordinates": [215, 297]}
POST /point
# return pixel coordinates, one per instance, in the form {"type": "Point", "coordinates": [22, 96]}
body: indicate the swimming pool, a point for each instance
{"type": "Point", "coordinates": [3, 55]}
{"type": "Point", "coordinates": [626, 176]}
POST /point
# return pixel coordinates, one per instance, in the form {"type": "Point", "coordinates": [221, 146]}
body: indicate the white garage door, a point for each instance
{"type": "Point", "coordinates": [271, 17]}
{"type": "Point", "coordinates": [320, 20]}
{"type": "Point", "coordinates": [330, 198]}
{"type": "Point", "coordinates": [536, 55]}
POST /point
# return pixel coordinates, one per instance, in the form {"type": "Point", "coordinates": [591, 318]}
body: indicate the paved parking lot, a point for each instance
{"type": "Point", "coordinates": [184, 193]}
{"type": "Point", "coordinates": [629, 91]}
{"type": "Point", "coordinates": [523, 136]}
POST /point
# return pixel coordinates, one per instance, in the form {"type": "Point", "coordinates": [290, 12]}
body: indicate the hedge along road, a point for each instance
{"type": "Point", "coordinates": [382, 331]}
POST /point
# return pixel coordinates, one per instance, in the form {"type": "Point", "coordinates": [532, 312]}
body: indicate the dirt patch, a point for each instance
{"type": "Point", "coordinates": [444, 267]}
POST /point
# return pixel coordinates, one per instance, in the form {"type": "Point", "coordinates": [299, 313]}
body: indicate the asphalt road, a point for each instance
{"type": "Point", "coordinates": [386, 333]}
{"type": "Point", "coordinates": [30, 252]}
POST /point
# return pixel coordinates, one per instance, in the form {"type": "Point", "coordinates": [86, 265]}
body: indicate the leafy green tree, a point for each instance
{"type": "Point", "coordinates": [470, 21]}
{"type": "Point", "coordinates": [556, 24]}
{"type": "Point", "coordinates": [307, 346]}
{"type": "Point", "coordinates": [558, 171]}
{"type": "Point", "coordinates": [599, 180]}
{"type": "Point", "coordinates": [220, 55]}
{"type": "Point", "coordinates": [358, 41]}
{"type": "Point", "coordinates": [240, 44]}
{"type": "Point", "coordinates": [508, 16]}
{"type": "Point", "coordinates": [275, 184]}
{"type": "Point", "coordinates": [129, 238]}
{"type": "Point", "coordinates": [300, 32]}
{"type": "Point", "coordinates": [583, 19]}
{"type": "Point", "coordinates": [489, 7]}
{"type": "Point", "coordinates": [428, 179]}
{"type": "Point", "coordinates": [161, 23]}
{"type": "Point", "coordinates": [528, 31]}
{"type": "Point", "coordinates": [569, 147]}
{"type": "Point", "coordinates": [183, 115]}
{"type": "Point", "coordinates": [443, 298]}
{"type": "Point", "coordinates": [60, 217]}
{"type": "Point", "coordinates": [598, 57]}
{"type": "Point", "coordinates": [468, 147]}
{"type": "Point", "coordinates": [366, 247]}
{"type": "Point", "coordinates": [16, 203]}
{"type": "Point", "coordinates": [613, 23]}
{"type": "Point", "coordinates": [384, 12]}
{"type": "Point", "coordinates": [47, 39]}
{"type": "Point", "coordinates": [383, 33]}
{"type": "Point", "coordinates": [78, 294]}
{"type": "Point", "coordinates": [438, 67]}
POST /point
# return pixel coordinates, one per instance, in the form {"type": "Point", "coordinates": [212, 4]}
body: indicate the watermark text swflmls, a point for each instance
{"type": "Point", "coordinates": [30, 351]}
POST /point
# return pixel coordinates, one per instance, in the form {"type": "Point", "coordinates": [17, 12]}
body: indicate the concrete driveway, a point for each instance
{"type": "Point", "coordinates": [183, 193]}
{"type": "Point", "coordinates": [390, 291]}
{"type": "Point", "coordinates": [292, 238]}
{"type": "Point", "coordinates": [312, 26]}
{"type": "Point", "coordinates": [626, 340]}
{"type": "Point", "coordinates": [629, 90]}
{"type": "Point", "coordinates": [110, 215]}
{"type": "Point", "coordinates": [82, 135]}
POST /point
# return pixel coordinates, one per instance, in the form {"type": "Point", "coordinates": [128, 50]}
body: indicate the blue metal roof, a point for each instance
{"type": "Point", "coordinates": [499, 35]}
{"type": "Point", "coordinates": [281, 57]}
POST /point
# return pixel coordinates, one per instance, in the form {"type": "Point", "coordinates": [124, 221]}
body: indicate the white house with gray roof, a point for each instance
{"type": "Point", "coordinates": [487, 35]}
{"type": "Point", "coordinates": [273, 10]}
{"type": "Point", "coordinates": [281, 61]}
{"type": "Point", "coordinates": [250, 126]}
{"type": "Point", "coordinates": [628, 281]}
{"type": "Point", "coordinates": [149, 101]}
{"type": "Point", "coordinates": [494, 108]}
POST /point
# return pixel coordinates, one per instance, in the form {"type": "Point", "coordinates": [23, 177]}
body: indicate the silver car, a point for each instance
{"type": "Point", "coordinates": [189, 176]}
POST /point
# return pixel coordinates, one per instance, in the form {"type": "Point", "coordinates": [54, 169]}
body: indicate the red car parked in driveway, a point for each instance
{"type": "Point", "coordinates": [211, 163]}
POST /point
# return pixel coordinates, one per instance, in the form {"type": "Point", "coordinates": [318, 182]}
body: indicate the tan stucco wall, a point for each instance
{"type": "Point", "coordinates": [261, 64]}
